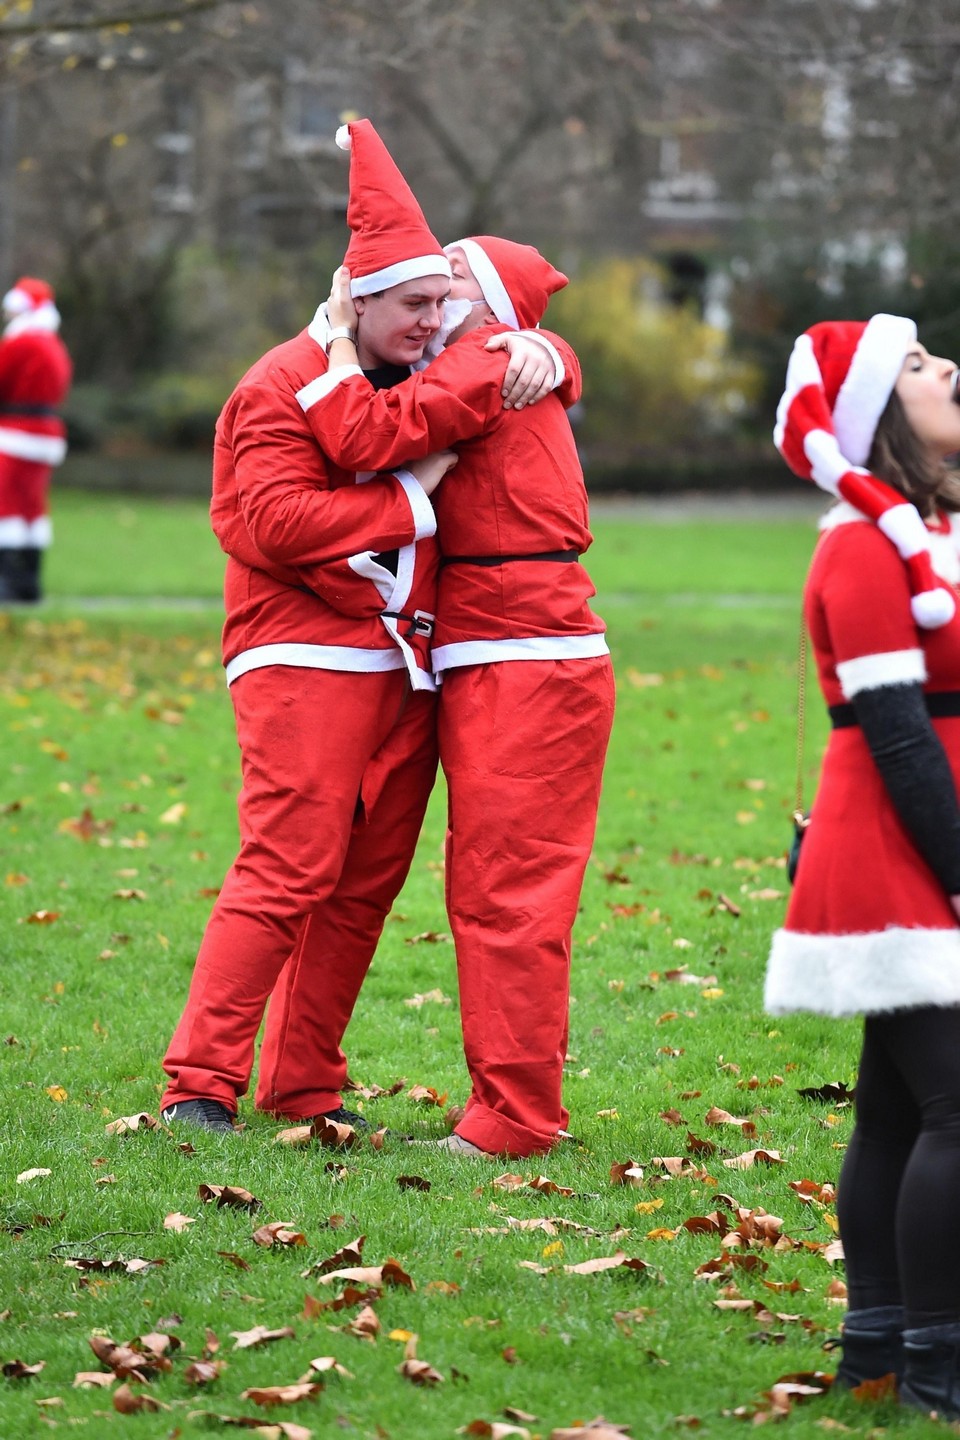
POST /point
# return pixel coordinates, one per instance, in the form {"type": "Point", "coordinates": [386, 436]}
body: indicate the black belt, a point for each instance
{"type": "Point", "coordinates": [940, 704]}
{"type": "Point", "coordinates": [559, 557]}
{"type": "Point", "coordinates": [419, 623]}
{"type": "Point", "coordinates": [31, 412]}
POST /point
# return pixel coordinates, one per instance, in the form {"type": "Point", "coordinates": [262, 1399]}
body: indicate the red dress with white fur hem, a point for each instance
{"type": "Point", "coordinates": [869, 928]}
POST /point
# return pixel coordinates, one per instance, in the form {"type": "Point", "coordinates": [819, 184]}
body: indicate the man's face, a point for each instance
{"type": "Point", "coordinates": [465, 286]}
{"type": "Point", "coordinates": [394, 327]}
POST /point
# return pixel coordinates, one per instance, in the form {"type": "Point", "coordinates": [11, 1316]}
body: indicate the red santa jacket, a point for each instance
{"type": "Point", "coordinates": [516, 492]}
{"type": "Point", "coordinates": [35, 375]}
{"type": "Point", "coordinates": [303, 586]}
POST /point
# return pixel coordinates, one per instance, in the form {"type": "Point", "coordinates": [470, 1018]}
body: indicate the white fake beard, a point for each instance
{"type": "Point", "coordinates": [454, 314]}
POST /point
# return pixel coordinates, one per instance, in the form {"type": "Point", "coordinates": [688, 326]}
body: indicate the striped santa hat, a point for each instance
{"type": "Point", "coordinates": [840, 376]}
{"type": "Point", "coordinates": [391, 240]}
{"type": "Point", "coordinates": [516, 280]}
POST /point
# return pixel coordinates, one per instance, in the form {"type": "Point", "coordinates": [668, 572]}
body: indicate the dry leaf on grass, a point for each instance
{"type": "Point", "coordinates": [494, 1429]}
{"type": "Point", "coordinates": [94, 1379]}
{"type": "Point", "coordinates": [128, 1123]}
{"type": "Point", "coordinates": [413, 1182]}
{"type": "Point", "coordinates": [434, 997]}
{"type": "Point", "coordinates": [204, 1372]}
{"type": "Point", "coordinates": [426, 1095]}
{"type": "Point", "coordinates": [268, 1395]}
{"type": "Point", "coordinates": [260, 1335]}
{"type": "Point", "coordinates": [36, 1174]}
{"type": "Point", "coordinates": [234, 1259]}
{"type": "Point", "coordinates": [351, 1254]}
{"type": "Point", "coordinates": [323, 1364]}
{"type": "Point", "coordinates": [278, 1232]}
{"type": "Point", "coordinates": [294, 1135]}
{"type": "Point", "coordinates": [276, 1429]}
{"type": "Point", "coordinates": [17, 1370]}
{"type": "Point", "coordinates": [228, 1195]}
{"type": "Point", "coordinates": [365, 1325]}
{"type": "Point", "coordinates": [176, 1222]}
{"type": "Point", "coordinates": [389, 1273]}
{"type": "Point", "coordinates": [754, 1157]}
{"type": "Point", "coordinates": [130, 1402]}
{"type": "Point", "coordinates": [332, 1135]}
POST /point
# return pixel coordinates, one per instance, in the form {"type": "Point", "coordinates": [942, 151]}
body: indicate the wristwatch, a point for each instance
{"type": "Point", "coordinates": [341, 332]}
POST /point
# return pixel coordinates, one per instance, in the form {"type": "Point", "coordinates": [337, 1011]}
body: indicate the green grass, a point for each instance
{"type": "Point", "coordinates": [115, 724]}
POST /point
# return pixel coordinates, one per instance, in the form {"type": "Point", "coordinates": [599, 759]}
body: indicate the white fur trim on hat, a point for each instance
{"type": "Point", "coordinates": [398, 273]}
{"type": "Point", "coordinates": [488, 278]}
{"type": "Point", "coordinates": [873, 373]}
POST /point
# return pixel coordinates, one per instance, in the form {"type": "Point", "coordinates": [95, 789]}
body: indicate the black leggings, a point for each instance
{"type": "Point", "coordinates": [898, 1198]}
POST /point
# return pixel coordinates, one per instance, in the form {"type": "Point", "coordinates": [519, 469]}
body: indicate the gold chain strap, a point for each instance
{"type": "Point", "coordinates": [800, 818]}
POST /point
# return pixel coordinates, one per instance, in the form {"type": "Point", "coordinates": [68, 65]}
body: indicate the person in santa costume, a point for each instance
{"type": "Point", "coordinates": [35, 375]}
{"type": "Point", "coordinates": [872, 923]}
{"type": "Point", "coordinates": [330, 600]}
{"type": "Point", "coordinates": [527, 696]}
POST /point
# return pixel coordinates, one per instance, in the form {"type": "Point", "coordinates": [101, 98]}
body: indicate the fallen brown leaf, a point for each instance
{"type": "Point", "coordinates": [17, 1370]}
{"type": "Point", "coordinates": [278, 1232]}
{"type": "Point", "coordinates": [129, 1402]}
{"type": "Point", "coordinates": [268, 1395]}
{"type": "Point", "coordinates": [128, 1124]}
{"type": "Point", "coordinates": [228, 1195]}
{"type": "Point", "coordinates": [260, 1335]}
{"type": "Point", "coordinates": [204, 1372]}
{"type": "Point", "coordinates": [176, 1221]}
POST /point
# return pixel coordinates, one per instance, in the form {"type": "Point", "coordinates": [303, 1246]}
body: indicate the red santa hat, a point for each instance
{"type": "Point", "coordinates": [391, 240]}
{"type": "Point", "coordinates": [28, 294]}
{"type": "Point", "coordinates": [516, 280]}
{"type": "Point", "coordinates": [840, 376]}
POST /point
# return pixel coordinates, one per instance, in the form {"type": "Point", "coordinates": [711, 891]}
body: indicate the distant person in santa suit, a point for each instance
{"type": "Point", "coordinates": [35, 375]}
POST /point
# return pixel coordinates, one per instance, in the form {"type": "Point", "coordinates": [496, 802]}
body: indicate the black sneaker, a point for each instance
{"type": "Point", "coordinates": [207, 1114]}
{"type": "Point", "coordinates": [342, 1117]}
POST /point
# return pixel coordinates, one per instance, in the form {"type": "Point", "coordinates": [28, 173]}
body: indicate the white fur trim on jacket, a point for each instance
{"type": "Point", "coordinates": [423, 513]}
{"type": "Point", "coordinates": [314, 390]}
{"type": "Point", "coordinates": [19, 534]}
{"type": "Point", "coordinates": [41, 449]}
{"type": "Point", "coordinates": [871, 672]}
{"type": "Point", "coordinates": [895, 969]}
{"type": "Point", "coordinates": [314, 657]}
{"type": "Point", "coordinates": [536, 647]}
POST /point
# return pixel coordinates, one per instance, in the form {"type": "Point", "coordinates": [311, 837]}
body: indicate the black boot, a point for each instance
{"type": "Point", "coordinates": [872, 1346]}
{"type": "Point", "coordinates": [30, 560]}
{"type": "Point", "coordinates": [20, 575]}
{"type": "Point", "coordinates": [931, 1378]}
{"type": "Point", "coordinates": [9, 575]}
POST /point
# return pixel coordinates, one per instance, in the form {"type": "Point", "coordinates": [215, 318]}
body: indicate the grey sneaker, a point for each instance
{"type": "Point", "coordinates": [456, 1145]}
{"type": "Point", "coordinates": [207, 1114]}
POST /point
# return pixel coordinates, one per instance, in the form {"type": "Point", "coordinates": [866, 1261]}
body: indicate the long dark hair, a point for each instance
{"type": "Point", "coordinates": [898, 457]}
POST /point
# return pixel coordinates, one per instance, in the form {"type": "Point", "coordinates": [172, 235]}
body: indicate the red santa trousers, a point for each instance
{"type": "Point", "coordinates": [337, 769]}
{"type": "Point", "coordinates": [24, 489]}
{"type": "Point", "coordinates": [522, 746]}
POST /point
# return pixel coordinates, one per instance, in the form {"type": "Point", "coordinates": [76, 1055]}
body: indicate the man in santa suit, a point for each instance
{"type": "Point", "coordinates": [330, 599]}
{"type": "Point", "coordinates": [527, 700]}
{"type": "Point", "coordinates": [35, 375]}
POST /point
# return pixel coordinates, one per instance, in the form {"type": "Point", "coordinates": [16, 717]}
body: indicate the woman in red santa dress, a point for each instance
{"type": "Point", "coordinates": [872, 925]}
